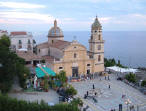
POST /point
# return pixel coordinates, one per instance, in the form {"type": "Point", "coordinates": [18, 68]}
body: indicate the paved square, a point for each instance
{"type": "Point", "coordinates": [110, 98]}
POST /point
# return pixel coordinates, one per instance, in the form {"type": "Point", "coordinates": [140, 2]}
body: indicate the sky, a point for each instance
{"type": "Point", "coordinates": [72, 15]}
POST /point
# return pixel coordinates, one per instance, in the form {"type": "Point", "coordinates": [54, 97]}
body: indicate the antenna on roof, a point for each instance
{"type": "Point", "coordinates": [74, 38]}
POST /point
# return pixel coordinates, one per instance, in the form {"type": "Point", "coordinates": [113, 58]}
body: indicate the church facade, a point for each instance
{"type": "Point", "coordinates": [73, 57]}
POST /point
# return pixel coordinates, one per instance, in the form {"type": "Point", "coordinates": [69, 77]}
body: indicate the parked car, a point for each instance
{"type": "Point", "coordinates": [120, 78]}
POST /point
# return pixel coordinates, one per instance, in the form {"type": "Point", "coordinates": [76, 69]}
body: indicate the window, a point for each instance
{"type": "Point", "coordinates": [20, 46]}
{"type": "Point", "coordinates": [88, 64]}
{"type": "Point", "coordinates": [75, 55]}
{"type": "Point", "coordinates": [91, 37]}
{"type": "Point", "coordinates": [20, 42]}
{"type": "Point", "coordinates": [99, 58]}
{"type": "Point", "coordinates": [75, 47]}
{"type": "Point", "coordinates": [39, 50]}
{"type": "Point", "coordinates": [60, 68]}
{"type": "Point", "coordinates": [95, 31]}
{"type": "Point", "coordinates": [29, 47]}
{"type": "Point", "coordinates": [99, 37]}
{"type": "Point", "coordinates": [49, 52]}
{"type": "Point", "coordinates": [99, 47]}
{"type": "Point", "coordinates": [52, 41]}
{"type": "Point", "coordinates": [28, 41]}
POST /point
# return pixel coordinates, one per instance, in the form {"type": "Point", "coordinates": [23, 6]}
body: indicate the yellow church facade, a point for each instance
{"type": "Point", "coordinates": [73, 57]}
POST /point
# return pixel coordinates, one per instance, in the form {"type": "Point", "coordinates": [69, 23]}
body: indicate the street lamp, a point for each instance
{"type": "Point", "coordinates": [127, 102]}
{"type": "Point", "coordinates": [1, 65]}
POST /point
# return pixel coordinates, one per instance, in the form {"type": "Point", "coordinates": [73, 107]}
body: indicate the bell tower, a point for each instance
{"type": "Point", "coordinates": [96, 43]}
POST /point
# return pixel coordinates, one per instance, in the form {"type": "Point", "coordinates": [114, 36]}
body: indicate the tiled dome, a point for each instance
{"type": "Point", "coordinates": [96, 24]}
{"type": "Point", "coordinates": [55, 31]}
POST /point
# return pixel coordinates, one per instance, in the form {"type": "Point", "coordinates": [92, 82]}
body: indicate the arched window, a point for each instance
{"type": "Point", "coordinates": [99, 37]}
{"type": "Point", "coordinates": [99, 57]}
{"type": "Point", "coordinates": [75, 55]}
{"type": "Point", "coordinates": [48, 52]}
{"type": "Point", "coordinates": [99, 47]}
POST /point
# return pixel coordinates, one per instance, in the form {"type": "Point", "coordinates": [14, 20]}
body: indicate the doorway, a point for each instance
{"type": "Point", "coordinates": [88, 71]}
{"type": "Point", "coordinates": [74, 71]}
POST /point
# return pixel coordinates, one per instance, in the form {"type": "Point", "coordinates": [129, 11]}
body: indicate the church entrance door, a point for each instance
{"type": "Point", "coordinates": [74, 71]}
{"type": "Point", "coordinates": [88, 71]}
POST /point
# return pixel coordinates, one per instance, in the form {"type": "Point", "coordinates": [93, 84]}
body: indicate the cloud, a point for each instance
{"type": "Point", "coordinates": [20, 5]}
{"type": "Point", "coordinates": [28, 16]}
{"type": "Point", "coordinates": [130, 19]}
{"type": "Point", "coordinates": [95, 1]}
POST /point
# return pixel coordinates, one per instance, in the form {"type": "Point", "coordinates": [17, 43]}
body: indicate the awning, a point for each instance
{"type": "Point", "coordinates": [40, 73]}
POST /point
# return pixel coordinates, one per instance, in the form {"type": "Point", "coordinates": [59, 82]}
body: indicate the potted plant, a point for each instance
{"type": "Point", "coordinates": [46, 85]}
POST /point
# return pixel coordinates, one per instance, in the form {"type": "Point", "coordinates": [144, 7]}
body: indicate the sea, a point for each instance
{"type": "Point", "coordinates": [127, 46]}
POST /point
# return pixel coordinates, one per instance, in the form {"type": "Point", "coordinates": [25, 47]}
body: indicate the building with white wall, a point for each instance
{"type": "Point", "coordinates": [22, 41]}
{"type": "Point", "coordinates": [3, 32]}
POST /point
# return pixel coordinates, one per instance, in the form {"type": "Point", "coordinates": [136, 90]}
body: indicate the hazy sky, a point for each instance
{"type": "Point", "coordinates": [72, 15]}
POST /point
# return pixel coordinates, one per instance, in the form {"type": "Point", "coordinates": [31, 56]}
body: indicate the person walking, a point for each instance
{"type": "Point", "coordinates": [109, 86]}
{"type": "Point", "coordinates": [87, 93]}
{"type": "Point", "coordinates": [93, 86]}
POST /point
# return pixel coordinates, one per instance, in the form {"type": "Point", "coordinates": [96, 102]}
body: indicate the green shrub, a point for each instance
{"type": "Point", "coordinates": [143, 83]}
{"type": "Point", "coordinates": [77, 101]}
{"type": "Point", "coordinates": [131, 77]}
{"type": "Point", "coordinates": [112, 62]}
{"type": "Point", "coordinates": [71, 91]}
{"type": "Point", "coordinates": [9, 104]}
{"type": "Point", "coordinates": [46, 85]}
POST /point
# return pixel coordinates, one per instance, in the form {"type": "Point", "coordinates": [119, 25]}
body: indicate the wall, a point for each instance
{"type": "Point", "coordinates": [24, 39]}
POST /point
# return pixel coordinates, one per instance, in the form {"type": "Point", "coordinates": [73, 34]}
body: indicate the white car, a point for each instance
{"type": "Point", "coordinates": [51, 104]}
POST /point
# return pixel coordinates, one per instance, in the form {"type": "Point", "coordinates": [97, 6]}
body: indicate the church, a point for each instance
{"type": "Point", "coordinates": [73, 57]}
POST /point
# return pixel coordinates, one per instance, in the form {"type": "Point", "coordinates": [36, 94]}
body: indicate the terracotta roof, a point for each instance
{"type": "Point", "coordinates": [48, 58]}
{"type": "Point", "coordinates": [18, 33]}
{"type": "Point", "coordinates": [3, 31]}
{"type": "Point", "coordinates": [43, 45]}
{"type": "Point", "coordinates": [28, 56]}
{"type": "Point", "coordinates": [60, 44]}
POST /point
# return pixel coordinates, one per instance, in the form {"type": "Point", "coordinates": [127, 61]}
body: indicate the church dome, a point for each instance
{"type": "Point", "coordinates": [96, 24]}
{"type": "Point", "coordinates": [55, 31]}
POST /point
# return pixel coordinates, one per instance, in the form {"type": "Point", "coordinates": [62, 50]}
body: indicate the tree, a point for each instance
{"type": "Point", "coordinates": [12, 65]}
{"type": "Point", "coordinates": [109, 62]}
{"type": "Point", "coordinates": [43, 61]}
{"type": "Point", "coordinates": [62, 77]}
{"type": "Point", "coordinates": [143, 83]}
{"type": "Point", "coordinates": [77, 101]}
{"type": "Point", "coordinates": [131, 77]}
{"type": "Point", "coordinates": [70, 91]}
{"type": "Point", "coordinates": [46, 85]}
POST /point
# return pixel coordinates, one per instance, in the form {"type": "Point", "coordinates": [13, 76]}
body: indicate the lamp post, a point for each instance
{"type": "Point", "coordinates": [127, 102]}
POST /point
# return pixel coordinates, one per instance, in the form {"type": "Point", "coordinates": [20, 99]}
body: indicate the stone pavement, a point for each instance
{"type": "Point", "coordinates": [110, 98]}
